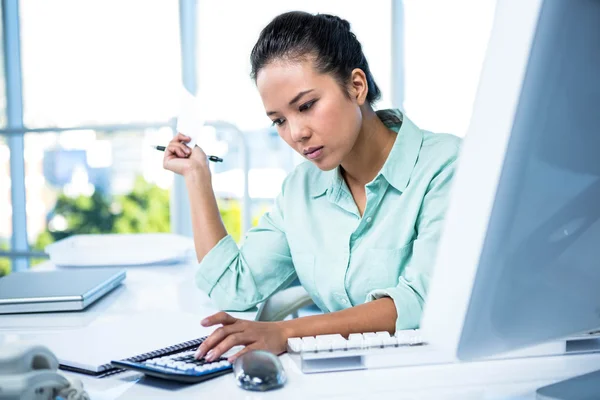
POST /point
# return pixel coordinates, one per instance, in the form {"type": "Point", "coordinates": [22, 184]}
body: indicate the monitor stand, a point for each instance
{"type": "Point", "coordinates": [581, 387]}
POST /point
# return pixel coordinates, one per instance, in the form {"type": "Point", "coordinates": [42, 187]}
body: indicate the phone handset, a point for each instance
{"type": "Point", "coordinates": [28, 372]}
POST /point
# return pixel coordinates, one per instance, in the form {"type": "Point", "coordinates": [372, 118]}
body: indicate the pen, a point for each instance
{"type": "Point", "coordinates": [210, 158]}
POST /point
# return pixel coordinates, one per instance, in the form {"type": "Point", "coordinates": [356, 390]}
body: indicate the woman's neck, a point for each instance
{"type": "Point", "coordinates": [371, 150]}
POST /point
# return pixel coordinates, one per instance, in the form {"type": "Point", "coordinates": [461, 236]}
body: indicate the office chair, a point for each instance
{"type": "Point", "coordinates": [283, 303]}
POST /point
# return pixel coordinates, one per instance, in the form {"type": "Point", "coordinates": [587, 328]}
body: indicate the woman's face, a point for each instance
{"type": "Point", "coordinates": [310, 110]}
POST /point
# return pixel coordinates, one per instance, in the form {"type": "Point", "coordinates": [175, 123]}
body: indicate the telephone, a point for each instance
{"type": "Point", "coordinates": [28, 372]}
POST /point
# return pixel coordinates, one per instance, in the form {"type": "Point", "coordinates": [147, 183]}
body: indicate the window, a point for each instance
{"type": "Point", "coordinates": [5, 183]}
{"type": "Point", "coordinates": [99, 61]}
{"type": "Point", "coordinates": [2, 76]}
{"type": "Point", "coordinates": [5, 208]}
{"type": "Point", "coordinates": [445, 45]}
{"type": "Point", "coordinates": [96, 93]}
{"type": "Point", "coordinates": [93, 181]}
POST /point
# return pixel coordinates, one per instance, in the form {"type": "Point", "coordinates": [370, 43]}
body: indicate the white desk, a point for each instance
{"type": "Point", "coordinates": [171, 289]}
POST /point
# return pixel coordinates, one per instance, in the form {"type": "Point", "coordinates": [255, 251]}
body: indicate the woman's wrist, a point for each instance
{"type": "Point", "coordinates": [198, 174]}
{"type": "Point", "coordinates": [286, 328]}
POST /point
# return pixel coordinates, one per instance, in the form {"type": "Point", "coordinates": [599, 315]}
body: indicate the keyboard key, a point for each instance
{"type": "Point", "coordinates": [372, 340]}
{"type": "Point", "coordinates": [325, 342]}
{"type": "Point", "coordinates": [309, 343]}
{"type": "Point", "coordinates": [389, 341]}
{"type": "Point", "coordinates": [355, 341]}
{"type": "Point", "coordinates": [408, 337]}
{"type": "Point", "coordinates": [355, 336]}
{"type": "Point", "coordinates": [339, 343]}
{"type": "Point", "coordinates": [294, 345]}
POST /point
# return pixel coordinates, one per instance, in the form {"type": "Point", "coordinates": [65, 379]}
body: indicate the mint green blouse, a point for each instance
{"type": "Point", "coordinates": [315, 232]}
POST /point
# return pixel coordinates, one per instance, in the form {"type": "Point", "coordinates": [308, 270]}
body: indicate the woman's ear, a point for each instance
{"type": "Point", "coordinates": [358, 86]}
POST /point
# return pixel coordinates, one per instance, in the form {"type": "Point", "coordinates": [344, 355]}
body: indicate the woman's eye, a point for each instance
{"type": "Point", "coordinates": [307, 105]}
{"type": "Point", "coordinates": [278, 121]}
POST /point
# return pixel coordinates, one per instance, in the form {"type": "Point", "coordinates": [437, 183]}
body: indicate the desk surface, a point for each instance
{"type": "Point", "coordinates": [171, 290]}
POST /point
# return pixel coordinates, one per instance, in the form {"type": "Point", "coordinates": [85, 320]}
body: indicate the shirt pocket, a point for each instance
{"type": "Point", "coordinates": [384, 266]}
{"type": "Point", "coordinates": [304, 263]}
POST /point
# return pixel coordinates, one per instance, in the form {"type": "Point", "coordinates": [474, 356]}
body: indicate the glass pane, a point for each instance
{"type": "Point", "coordinates": [2, 77]}
{"type": "Point", "coordinates": [442, 65]}
{"type": "Point", "coordinates": [5, 205]}
{"type": "Point", "coordinates": [99, 61]}
{"type": "Point", "coordinates": [90, 181]}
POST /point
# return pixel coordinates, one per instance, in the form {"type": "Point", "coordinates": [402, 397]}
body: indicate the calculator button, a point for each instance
{"type": "Point", "coordinates": [185, 367]}
{"type": "Point", "coordinates": [201, 368]}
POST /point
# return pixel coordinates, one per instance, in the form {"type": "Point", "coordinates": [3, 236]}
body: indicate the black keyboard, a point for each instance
{"type": "Point", "coordinates": [181, 367]}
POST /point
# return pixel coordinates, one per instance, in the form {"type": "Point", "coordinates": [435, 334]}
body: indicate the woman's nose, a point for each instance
{"type": "Point", "coordinates": [299, 132]}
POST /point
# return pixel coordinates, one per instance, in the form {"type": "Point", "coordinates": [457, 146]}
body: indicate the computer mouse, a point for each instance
{"type": "Point", "coordinates": [259, 370]}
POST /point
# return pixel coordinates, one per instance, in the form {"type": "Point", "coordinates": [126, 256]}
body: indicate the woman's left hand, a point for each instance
{"type": "Point", "coordinates": [254, 335]}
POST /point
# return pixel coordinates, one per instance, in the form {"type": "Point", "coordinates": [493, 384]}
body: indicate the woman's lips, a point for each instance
{"type": "Point", "coordinates": [313, 152]}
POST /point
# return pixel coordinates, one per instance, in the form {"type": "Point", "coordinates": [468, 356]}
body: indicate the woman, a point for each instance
{"type": "Point", "coordinates": [358, 223]}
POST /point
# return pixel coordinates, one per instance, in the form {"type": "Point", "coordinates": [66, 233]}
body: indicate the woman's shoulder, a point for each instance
{"type": "Point", "coordinates": [438, 152]}
{"type": "Point", "coordinates": [441, 144]}
{"type": "Point", "coordinates": [439, 149]}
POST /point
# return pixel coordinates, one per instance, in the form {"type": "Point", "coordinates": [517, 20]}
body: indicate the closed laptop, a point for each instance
{"type": "Point", "coordinates": [57, 290]}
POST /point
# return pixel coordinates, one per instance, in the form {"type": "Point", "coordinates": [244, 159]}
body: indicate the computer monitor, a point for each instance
{"type": "Point", "coordinates": [519, 258]}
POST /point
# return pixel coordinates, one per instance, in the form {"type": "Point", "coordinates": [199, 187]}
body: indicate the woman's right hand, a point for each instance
{"type": "Point", "coordinates": [182, 160]}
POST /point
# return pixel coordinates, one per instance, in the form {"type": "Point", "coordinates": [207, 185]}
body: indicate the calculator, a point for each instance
{"type": "Point", "coordinates": [181, 367]}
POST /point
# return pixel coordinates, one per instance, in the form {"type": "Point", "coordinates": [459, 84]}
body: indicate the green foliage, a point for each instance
{"type": "Point", "coordinates": [256, 217]}
{"type": "Point", "coordinates": [83, 215]}
{"type": "Point", "coordinates": [4, 262]}
{"type": "Point", "coordinates": [231, 214]}
{"type": "Point", "coordinates": [145, 209]}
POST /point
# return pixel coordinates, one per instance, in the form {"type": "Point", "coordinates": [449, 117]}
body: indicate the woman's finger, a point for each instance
{"type": "Point", "coordinates": [180, 137]}
{"type": "Point", "coordinates": [219, 318]}
{"type": "Point", "coordinates": [226, 344]}
{"type": "Point", "coordinates": [179, 149]}
{"type": "Point", "coordinates": [214, 339]}
{"type": "Point", "coordinates": [242, 352]}
{"type": "Point", "coordinates": [172, 150]}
